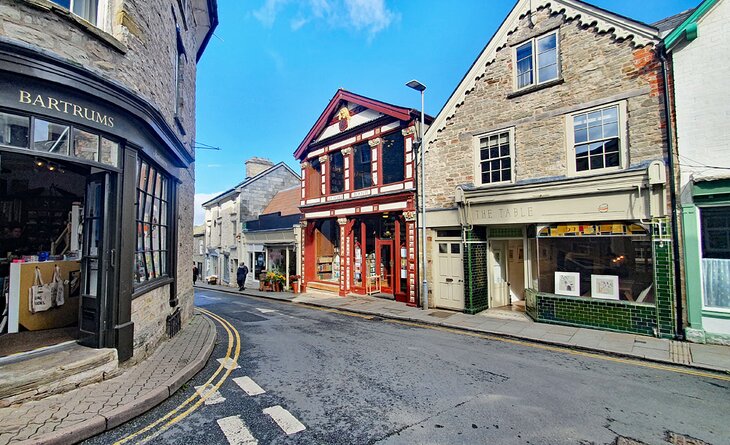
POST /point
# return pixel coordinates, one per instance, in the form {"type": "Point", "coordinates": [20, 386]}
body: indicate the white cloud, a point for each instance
{"type": "Point", "coordinates": [199, 213]}
{"type": "Point", "coordinates": [371, 16]}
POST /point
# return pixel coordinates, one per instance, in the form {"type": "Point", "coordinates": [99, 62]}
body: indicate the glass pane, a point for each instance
{"type": "Point", "coordinates": [525, 52]}
{"type": "Point", "coordinates": [142, 176]}
{"type": "Point", "coordinates": [156, 259]}
{"type": "Point", "coordinates": [363, 166]}
{"type": "Point", "coordinates": [65, 3]}
{"type": "Point", "coordinates": [716, 282]}
{"type": "Point", "coordinates": [547, 43]}
{"type": "Point", "coordinates": [140, 237]}
{"type": "Point", "coordinates": [151, 181]}
{"type": "Point", "coordinates": [139, 271]}
{"type": "Point", "coordinates": [595, 132]}
{"type": "Point", "coordinates": [86, 9]}
{"type": "Point", "coordinates": [95, 237]}
{"type": "Point", "coordinates": [596, 162]}
{"type": "Point", "coordinates": [92, 278]}
{"type": "Point", "coordinates": [443, 248]}
{"type": "Point", "coordinates": [155, 237]}
{"type": "Point", "coordinates": [163, 238]}
{"type": "Point", "coordinates": [581, 135]}
{"type": "Point", "coordinates": [455, 248]}
{"type": "Point", "coordinates": [610, 114]}
{"type": "Point", "coordinates": [610, 129]}
{"type": "Point", "coordinates": [50, 137]}
{"type": "Point", "coordinates": [109, 152]}
{"type": "Point", "coordinates": [506, 175]}
{"type": "Point", "coordinates": [148, 263]}
{"type": "Point", "coordinates": [163, 263]}
{"type": "Point", "coordinates": [612, 160]}
{"type": "Point", "coordinates": [547, 72]}
{"type": "Point", "coordinates": [581, 151]}
{"type": "Point", "coordinates": [146, 237]}
{"type": "Point", "coordinates": [581, 164]}
{"type": "Point", "coordinates": [14, 130]}
{"type": "Point", "coordinates": [85, 145]}
{"type": "Point", "coordinates": [393, 158]}
{"type": "Point", "coordinates": [163, 213]}
{"type": "Point", "coordinates": [147, 208]}
{"type": "Point", "coordinates": [337, 172]}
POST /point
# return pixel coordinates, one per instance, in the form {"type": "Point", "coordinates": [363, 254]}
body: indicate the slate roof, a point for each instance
{"type": "Point", "coordinates": [286, 202]}
{"type": "Point", "coordinates": [668, 24]}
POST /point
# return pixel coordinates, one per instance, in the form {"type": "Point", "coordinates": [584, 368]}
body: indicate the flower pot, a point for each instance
{"type": "Point", "coordinates": [295, 287]}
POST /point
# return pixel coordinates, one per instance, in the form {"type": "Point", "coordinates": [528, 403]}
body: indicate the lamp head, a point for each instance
{"type": "Point", "coordinates": [416, 85]}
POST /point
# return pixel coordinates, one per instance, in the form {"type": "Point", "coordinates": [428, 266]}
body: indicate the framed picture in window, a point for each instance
{"type": "Point", "coordinates": [605, 287]}
{"type": "Point", "coordinates": [567, 283]}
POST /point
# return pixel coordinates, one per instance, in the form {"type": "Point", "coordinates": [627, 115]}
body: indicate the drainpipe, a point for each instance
{"type": "Point", "coordinates": [673, 193]}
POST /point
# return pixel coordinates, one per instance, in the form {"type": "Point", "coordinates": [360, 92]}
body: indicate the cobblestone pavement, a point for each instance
{"type": "Point", "coordinates": [104, 405]}
{"type": "Point", "coordinates": [707, 357]}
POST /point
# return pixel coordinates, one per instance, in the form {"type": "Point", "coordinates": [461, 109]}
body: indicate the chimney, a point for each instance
{"type": "Point", "coordinates": [254, 166]}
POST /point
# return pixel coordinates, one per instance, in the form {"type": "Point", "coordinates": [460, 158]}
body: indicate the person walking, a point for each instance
{"type": "Point", "coordinates": [241, 276]}
{"type": "Point", "coordinates": [195, 273]}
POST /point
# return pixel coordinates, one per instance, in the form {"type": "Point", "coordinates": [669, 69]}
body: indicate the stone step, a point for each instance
{"type": "Point", "coordinates": [330, 288]}
{"type": "Point", "coordinates": [35, 375]}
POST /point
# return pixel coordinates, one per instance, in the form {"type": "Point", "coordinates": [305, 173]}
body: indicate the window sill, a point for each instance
{"type": "Point", "coordinates": [716, 312]}
{"type": "Point", "coordinates": [150, 286]}
{"type": "Point", "coordinates": [534, 88]}
{"type": "Point", "coordinates": [104, 37]}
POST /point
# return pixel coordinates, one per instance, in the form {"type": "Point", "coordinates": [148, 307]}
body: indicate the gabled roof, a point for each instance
{"type": "Point", "coordinates": [286, 202]}
{"type": "Point", "coordinates": [584, 13]}
{"type": "Point", "coordinates": [670, 23]}
{"type": "Point", "coordinates": [688, 28]}
{"type": "Point", "coordinates": [247, 182]}
{"type": "Point", "coordinates": [404, 114]}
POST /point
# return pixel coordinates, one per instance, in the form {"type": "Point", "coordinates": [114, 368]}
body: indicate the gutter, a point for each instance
{"type": "Point", "coordinates": [673, 194]}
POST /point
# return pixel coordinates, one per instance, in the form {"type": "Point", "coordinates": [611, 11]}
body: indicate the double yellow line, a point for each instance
{"type": "Point", "coordinates": [193, 402]}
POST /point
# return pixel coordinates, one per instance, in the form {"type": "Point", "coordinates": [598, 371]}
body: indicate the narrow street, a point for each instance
{"type": "Point", "coordinates": [358, 380]}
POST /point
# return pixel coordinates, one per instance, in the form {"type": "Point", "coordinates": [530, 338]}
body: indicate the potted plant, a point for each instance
{"type": "Point", "coordinates": [294, 280]}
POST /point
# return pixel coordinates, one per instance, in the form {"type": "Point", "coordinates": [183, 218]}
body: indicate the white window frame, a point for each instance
{"type": "Point", "coordinates": [102, 13]}
{"type": "Point", "coordinates": [701, 245]}
{"type": "Point", "coordinates": [535, 68]}
{"type": "Point", "coordinates": [478, 161]}
{"type": "Point", "coordinates": [623, 140]}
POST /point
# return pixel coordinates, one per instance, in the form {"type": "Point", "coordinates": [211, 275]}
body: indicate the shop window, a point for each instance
{"type": "Point", "coordinates": [715, 223]}
{"type": "Point", "coordinates": [327, 242]}
{"type": "Point", "coordinates": [363, 166]}
{"type": "Point", "coordinates": [537, 61]}
{"type": "Point", "coordinates": [597, 139]}
{"type": "Point", "coordinates": [86, 9]}
{"type": "Point", "coordinates": [495, 158]}
{"type": "Point", "coordinates": [394, 158]}
{"type": "Point", "coordinates": [14, 130]}
{"type": "Point", "coordinates": [50, 137]}
{"type": "Point", "coordinates": [337, 172]}
{"type": "Point", "coordinates": [313, 178]}
{"type": "Point", "coordinates": [604, 260]}
{"type": "Point", "coordinates": [152, 252]}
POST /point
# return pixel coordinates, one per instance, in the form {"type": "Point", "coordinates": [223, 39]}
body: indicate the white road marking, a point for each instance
{"type": "Point", "coordinates": [228, 363]}
{"type": "Point", "coordinates": [214, 398]}
{"type": "Point", "coordinates": [265, 311]}
{"type": "Point", "coordinates": [249, 386]}
{"type": "Point", "coordinates": [288, 423]}
{"type": "Point", "coordinates": [236, 431]}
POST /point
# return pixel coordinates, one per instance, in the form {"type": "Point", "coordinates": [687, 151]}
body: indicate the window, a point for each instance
{"type": "Point", "coordinates": [86, 9]}
{"type": "Point", "coordinates": [337, 172]}
{"type": "Point", "coordinates": [313, 179]}
{"type": "Point", "coordinates": [50, 137]}
{"type": "Point", "coordinates": [495, 158]}
{"type": "Point", "coordinates": [596, 139]}
{"type": "Point", "coordinates": [151, 257]}
{"type": "Point", "coordinates": [14, 130]}
{"type": "Point", "coordinates": [363, 166]}
{"type": "Point", "coordinates": [537, 61]}
{"type": "Point", "coordinates": [394, 158]}
{"type": "Point", "coordinates": [715, 222]}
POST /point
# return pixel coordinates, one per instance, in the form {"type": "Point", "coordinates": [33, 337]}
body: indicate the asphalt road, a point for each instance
{"type": "Point", "coordinates": [352, 380]}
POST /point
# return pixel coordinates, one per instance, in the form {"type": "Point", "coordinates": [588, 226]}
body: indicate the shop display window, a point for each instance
{"type": "Point", "coordinates": [327, 239]}
{"type": "Point", "coordinates": [85, 145]}
{"type": "Point", "coordinates": [715, 222]}
{"type": "Point", "coordinates": [608, 261]}
{"type": "Point", "coordinates": [151, 259]}
{"type": "Point", "coordinates": [394, 158]}
{"type": "Point", "coordinates": [14, 130]}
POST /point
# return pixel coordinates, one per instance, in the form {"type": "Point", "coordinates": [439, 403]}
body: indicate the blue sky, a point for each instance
{"type": "Point", "coordinates": [273, 65]}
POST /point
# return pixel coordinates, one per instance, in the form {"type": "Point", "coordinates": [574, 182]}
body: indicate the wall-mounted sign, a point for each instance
{"type": "Point", "coordinates": [65, 107]}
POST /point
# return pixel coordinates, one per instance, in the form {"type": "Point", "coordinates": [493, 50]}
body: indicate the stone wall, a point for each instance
{"type": "Point", "coordinates": [149, 312]}
{"type": "Point", "coordinates": [595, 66]}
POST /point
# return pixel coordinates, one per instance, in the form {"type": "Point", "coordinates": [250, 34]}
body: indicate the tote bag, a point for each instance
{"type": "Point", "coordinates": [58, 290]}
{"type": "Point", "coordinates": [40, 296]}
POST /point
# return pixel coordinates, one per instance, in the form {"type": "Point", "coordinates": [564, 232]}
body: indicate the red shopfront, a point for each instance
{"type": "Point", "coordinates": [359, 201]}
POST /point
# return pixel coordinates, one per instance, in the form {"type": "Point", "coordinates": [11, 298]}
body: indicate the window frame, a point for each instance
{"type": "Point", "coordinates": [100, 7]}
{"type": "Point", "coordinates": [701, 250]}
{"type": "Point", "coordinates": [623, 134]}
{"type": "Point", "coordinates": [332, 172]}
{"type": "Point", "coordinates": [165, 252]}
{"type": "Point", "coordinates": [535, 69]}
{"type": "Point", "coordinates": [478, 160]}
{"type": "Point", "coordinates": [355, 163]}
{"type": "Point", "coordinates": [381, 161]}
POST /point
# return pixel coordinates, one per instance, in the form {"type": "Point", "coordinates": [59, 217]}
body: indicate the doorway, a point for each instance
{"type": "Point", "coordinates": [507, 273]}
{"type": "Point", "coordinates": [449, 292]}
{"type": "Point", "coordinates": [384, 259]}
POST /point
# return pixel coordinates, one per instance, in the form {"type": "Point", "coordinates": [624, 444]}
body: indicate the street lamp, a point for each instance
{"type": "Point", "coordinates": [418, 86]}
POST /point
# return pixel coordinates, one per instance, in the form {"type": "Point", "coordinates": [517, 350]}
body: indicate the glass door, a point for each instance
{"type": "Point", "coordinates": [96, 261]}
{"type": "Point", "coordinates": [384, 260]}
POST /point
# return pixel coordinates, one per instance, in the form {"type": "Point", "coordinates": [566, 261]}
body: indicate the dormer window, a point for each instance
{"type": "Point", "coordinates": [536, 61]}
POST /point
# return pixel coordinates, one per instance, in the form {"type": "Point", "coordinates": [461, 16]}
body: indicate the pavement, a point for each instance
{"type": "Point", "coordinates": [514, 325]}
{"type": "Point", "coordinates": [82, 413]}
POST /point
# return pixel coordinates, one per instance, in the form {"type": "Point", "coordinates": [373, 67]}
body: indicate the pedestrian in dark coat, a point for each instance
{"type": "Point", "coordinates": [195, 273]}
{"type": "Point", "coordinates": [241, 276]}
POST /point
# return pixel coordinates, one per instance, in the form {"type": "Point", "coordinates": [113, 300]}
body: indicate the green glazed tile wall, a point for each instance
{"type": "Point", "coordinates": [475, 272]}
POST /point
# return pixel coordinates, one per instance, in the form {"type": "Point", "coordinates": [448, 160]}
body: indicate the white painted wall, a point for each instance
{"type": "Point", "coordinates": [702, 99]}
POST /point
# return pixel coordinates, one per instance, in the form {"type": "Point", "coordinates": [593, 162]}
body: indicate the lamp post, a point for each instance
{"type": "Point", "coordinates": [418, 86]}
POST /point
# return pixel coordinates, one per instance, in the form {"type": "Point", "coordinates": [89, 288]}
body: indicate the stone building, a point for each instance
{"type": "Point", "coordinates": [227, 214]}
{"type": "Point", "coordinates": [97, 116]}
{"type": "Point", "coordinates": [546, 178]}
{"type": "Point", "coordinates": [358, 199]}
{"type": "Point", "coordinates": [701, 105]}
{"type": "Point", "coordinates": [199, 249]}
